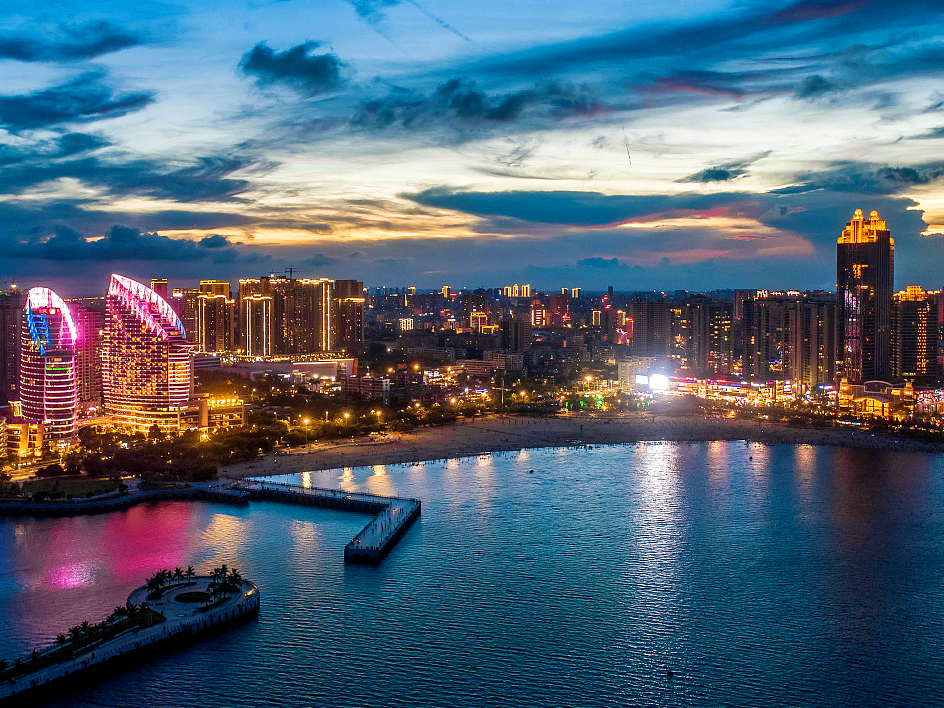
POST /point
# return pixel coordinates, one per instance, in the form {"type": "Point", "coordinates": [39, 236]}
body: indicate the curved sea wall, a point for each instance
{"type": "Point", "coordinates": [134, 645]}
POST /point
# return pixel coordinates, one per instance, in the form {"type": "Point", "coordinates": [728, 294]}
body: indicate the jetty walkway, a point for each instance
{"type": "Point", "coordinates": [392, 515]}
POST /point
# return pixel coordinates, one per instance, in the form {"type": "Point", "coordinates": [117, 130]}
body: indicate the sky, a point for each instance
{"type": "Point", "coordinates": [641, 144]}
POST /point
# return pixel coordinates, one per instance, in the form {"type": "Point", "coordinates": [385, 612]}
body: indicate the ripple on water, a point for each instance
{"type": "Point", "coordinates": [803, 577]}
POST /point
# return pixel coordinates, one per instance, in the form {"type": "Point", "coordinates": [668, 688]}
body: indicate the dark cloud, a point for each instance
{"type": "Point", "coordinates": [122, 243]}
{"type": "Point", "coordinates": [573, 208]}
{"type": "Point", "coordinates": [311, 74]}
{"type": "Point", "coordinates": [82, 42]}
{"type": "Point", "coordinates": [318, 260]}
{"type": "Point", "coordinates": [599, 263]}
{"type": "Point", "coordinates": [83, 99]}
{"type": "Point", "coordinates": [727, 171]}
{"type": "Point", "coordinates": [207, 179]}
{"type": "Point", "coordinates": [813, 87]}
{"type": "Point", "coordinates": [460, 104]}
{"type": "Point", "coordinates": [865, 178]}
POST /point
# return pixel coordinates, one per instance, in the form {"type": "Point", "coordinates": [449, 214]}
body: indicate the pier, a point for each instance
{"type": "Point", "coordinates": [183, 623]}
{"type": "Point", "coordinates": [392, 515]}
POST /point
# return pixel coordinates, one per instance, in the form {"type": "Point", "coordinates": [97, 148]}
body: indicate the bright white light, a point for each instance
{"type": "Point", "coordinates": [659, 382]}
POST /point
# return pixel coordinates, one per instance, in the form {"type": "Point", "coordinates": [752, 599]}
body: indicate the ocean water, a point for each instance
{"type": "Point", "coordinates": [758, 575]}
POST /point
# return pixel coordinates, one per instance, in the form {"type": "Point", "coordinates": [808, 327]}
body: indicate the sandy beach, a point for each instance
{"type": "Point", "coordinates": [496, 434]}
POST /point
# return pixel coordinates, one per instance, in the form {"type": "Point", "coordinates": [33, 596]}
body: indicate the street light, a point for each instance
{"type": "Point", "coordinates": [306, 422]}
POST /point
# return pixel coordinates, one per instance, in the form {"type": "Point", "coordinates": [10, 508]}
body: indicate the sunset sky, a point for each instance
{"type": "Point", "coordinates": [647, 145]}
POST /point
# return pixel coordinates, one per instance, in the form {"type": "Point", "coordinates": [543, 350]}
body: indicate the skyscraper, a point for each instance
{"type": "Point", "coordinates": [48, 391]}
{"type": "Point", "coordinates": [914, 337]}
{"type": "Point", "coordinates": [147, 367]}
{"type": "Point", "coordinates": [88, 314]}
{"type": "Point", "coordinates": [865, 266]}
{"type": "Point", "coordinates": [11, 313]}
{"type": "Point", "coordinates": [348, 298]}
{"type": "Point", "coordinates": [215, 317]}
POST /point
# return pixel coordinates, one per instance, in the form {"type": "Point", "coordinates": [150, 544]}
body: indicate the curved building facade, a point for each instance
{"type": "Point", "coordinates": [48, 387]}
{"type": "Point", "coordinates": [147, 365]}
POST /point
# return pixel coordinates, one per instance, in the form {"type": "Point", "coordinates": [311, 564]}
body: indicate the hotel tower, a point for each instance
{"type": "Point", "coordinates": [48, 391]}
{"type": "Point", "coordinates": [146, 361]}
{"type": "Point", "coordinates": [865, 266]}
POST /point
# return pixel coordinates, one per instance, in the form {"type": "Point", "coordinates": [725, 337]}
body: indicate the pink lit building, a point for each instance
{"type": "Point", "coordinates": [147, 363]}
{"type": "Point", "coordinates": [48, 391]}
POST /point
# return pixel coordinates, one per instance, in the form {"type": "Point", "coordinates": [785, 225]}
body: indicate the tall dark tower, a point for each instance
{"type": "Point", "coordinates": [865, 268]}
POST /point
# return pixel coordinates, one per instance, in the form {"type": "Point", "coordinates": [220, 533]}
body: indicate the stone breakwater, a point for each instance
{"type": "Point", "coordinates": [184, 622]}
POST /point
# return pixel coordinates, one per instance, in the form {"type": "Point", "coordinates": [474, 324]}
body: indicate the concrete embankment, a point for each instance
{"type": "Point", "coordinates": [114, 502]}
{"type": "Point", "coordinates": [133, 646]}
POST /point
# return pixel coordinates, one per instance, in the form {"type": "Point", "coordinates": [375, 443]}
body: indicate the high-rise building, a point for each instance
{"type": "Point", "coordinates": [159, 285]}
{"type": "Point", "coordinates": [215, 319]}
{"type": "Point", "coordinates": [12, 302]}
{"type": "Point", "coordinates": [514, 335]}
{"type": "Point", "coordinates": [914, 337]}
{"type": "Point", "coordinates": [865, 266]}
{"type": "Point", "coordinates": [48, 392]}
{"type": "Point", "coordinates": [147, 364]}
{"type": "Point", "coordinates": [89, 317]}
{"type": "Point", "coordinates": [184, 302]}
{"type": "Point", "coordinates": [651, 328]}
{"type": "Point", "coordinates": [348, 298]}
{"type": "Point", "coordinates": [709, 352]}
{"type": "Point", "coordinates": [301, 319]}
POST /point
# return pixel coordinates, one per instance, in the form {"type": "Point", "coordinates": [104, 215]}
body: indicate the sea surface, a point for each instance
{"type": "Point", "coordinates": [758, 575]}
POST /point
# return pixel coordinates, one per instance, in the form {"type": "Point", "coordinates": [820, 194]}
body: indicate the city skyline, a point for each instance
{"type": "Point", "coordinates": [700, 146]}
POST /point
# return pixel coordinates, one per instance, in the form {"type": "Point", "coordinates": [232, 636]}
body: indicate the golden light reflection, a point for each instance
{"type": "Point", "coordinates": [380, 470]}
{"type": "Point", "coordinates": [306, 480]}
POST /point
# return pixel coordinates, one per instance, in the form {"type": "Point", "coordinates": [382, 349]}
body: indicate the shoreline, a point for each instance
{"type": "Point", "coordinates": [503, 434]}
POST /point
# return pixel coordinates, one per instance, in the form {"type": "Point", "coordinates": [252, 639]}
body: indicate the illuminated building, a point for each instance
{"type": "Point", "coordinates": [539, 318]}
{"type": "Point", "coordinates": [406, 324]}
{"type": "Point", "coordinates": [146, 363]}
{"type": "Point", "coordinates": [596, 318]}
{"type": "Point", "coordinates": [709, 347]}
{"type": "Point", "coordinates": [915, 336]}
{"type": "Point", "coordinates": [559, 310]}
{"type": "Point", "coordinates": [11, 312]}
{"type": "Point", "coordinates": [215, 317]}
{"type": "Point", "coordinates": [48, 392]}
{"type": "Point", "coordinates": [348, 326]}
{"type": "Point", "coordinates": [296, 319]}
{"type": "Point", "coordinates": [184, 302]}
{"type": "Point", "coordinates": [865, 264]}
{"type": "Point", "coordinates": [159, 285]}
{"type": "Point", "coordinates": [88, 314]}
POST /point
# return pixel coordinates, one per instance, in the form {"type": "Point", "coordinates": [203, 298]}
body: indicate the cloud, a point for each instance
{"type": "Point", "coordinates": [312, 74]}
{"type": "Point", "coordinates": [125, 243]}
{"type": "Point", "coordinates": [82, 42]}
{"type": "Point", "coordinates": [318, 260]}
{"type": "Point", "coordinates": [814, 87]}
{"type": "Point", "coordinates": [727, 171]}
{"type": "Point", "coordinates": [83, 99]}
{"type": "Point", "coordinates": [599, 262]}
{"type": "Point", "coordinates": [460, 104]}
{"type": "Point", "coordinates": [865, 178]}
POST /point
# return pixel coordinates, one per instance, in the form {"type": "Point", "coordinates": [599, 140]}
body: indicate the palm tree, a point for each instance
{"type": "Point", "coordinates": [190, 573]}
{"type": "Point", "coordinates": [223, 571]}
{"type": "Point", "coordinates": [178, 574]}
{"type": "Point", "coordinates": [86, 629]}
{"type": "Point", "coordinates": [75, 634]}
{"type": "Point", "coordinates": [133, 610]}
{"type": "Point", "coordinates": [61, 640]}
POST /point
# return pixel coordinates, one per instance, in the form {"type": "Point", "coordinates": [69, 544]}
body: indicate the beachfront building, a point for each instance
{"type": "Point", "coordinates": [865, 266]}
{"type": "Point", "coordinates": [147, 366]}
{"type": "Point", "coordinates": [47, 378]}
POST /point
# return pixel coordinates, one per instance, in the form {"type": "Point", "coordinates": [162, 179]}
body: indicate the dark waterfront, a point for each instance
{"type": "Point", "coordinates": [802, 577]}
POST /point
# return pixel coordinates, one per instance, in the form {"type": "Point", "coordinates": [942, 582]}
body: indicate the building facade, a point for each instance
{"type": "Point", "coordinates": [865, 266]}
{"type": "Point", "coordinates": [48, 391]}
{"type": "Point", "coordinates": [147, 367]}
